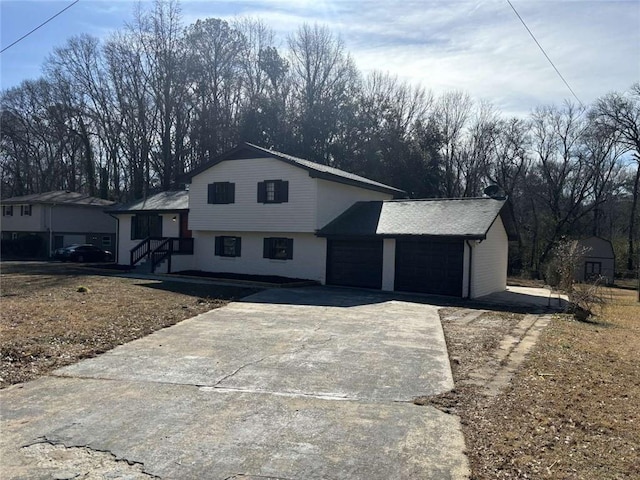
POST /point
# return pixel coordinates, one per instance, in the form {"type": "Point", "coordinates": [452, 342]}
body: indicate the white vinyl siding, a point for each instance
{"type": "Point", "coordinates": [309, 255]}
{"type": "Point", "coordinates": [490, 257]}
{"type": "Point", "coordinates": [334, 198]}
{"type": "Point", "coordinates": [246, 214]}
{"type": "Point", "coordinates": [388, 263]}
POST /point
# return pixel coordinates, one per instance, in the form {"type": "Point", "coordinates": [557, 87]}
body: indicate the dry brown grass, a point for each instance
{"type": "Point", "coordinates": [573, 410]}
{"type": "Point", "coordinates": [47, 321]}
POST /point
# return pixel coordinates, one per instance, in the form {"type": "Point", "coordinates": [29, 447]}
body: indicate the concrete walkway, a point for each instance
{"type": "Point", "coordinates": [308, 383]}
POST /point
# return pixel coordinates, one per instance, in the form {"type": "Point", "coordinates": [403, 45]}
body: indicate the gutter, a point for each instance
{"type": "Point", "coordinates": [117, 249]}
{"type": "Point", "coordinates": [470, 269]}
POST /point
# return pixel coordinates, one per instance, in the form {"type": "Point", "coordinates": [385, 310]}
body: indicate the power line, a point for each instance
{"type": "Point", "coordinates": [545, 53]}
{"type": "Point", "coordinates": [41, 25]}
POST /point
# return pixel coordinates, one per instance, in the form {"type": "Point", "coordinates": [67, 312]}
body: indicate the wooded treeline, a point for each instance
{"type": "Point", "coordinates": [126, 116]}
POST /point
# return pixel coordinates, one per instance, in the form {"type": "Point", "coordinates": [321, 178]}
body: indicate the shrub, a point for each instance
{"type": "Point", "coordinates": [585, 299]}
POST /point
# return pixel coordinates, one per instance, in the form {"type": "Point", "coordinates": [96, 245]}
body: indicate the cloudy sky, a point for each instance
{"type": "Point", "coordinates": [480, 47]}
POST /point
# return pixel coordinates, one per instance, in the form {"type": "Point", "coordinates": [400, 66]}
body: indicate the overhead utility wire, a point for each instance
{"type": "Point", "coordinates": [41, 25]}
{"type": "Point", "coordinates": [545, 53]}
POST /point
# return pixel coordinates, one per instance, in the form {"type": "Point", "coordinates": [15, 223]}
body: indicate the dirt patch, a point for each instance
{"type": "Point", "coordinates": [54, 314]}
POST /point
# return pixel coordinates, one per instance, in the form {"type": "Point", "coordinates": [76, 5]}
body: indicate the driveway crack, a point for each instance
{"type": "Point", "coordinates": [79, 461]}
{"type": "Point", "coordinates": [274, 355]}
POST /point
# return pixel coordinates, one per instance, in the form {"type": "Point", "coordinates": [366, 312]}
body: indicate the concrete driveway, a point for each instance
{"type": "Point", "coordinates": [310, 383]}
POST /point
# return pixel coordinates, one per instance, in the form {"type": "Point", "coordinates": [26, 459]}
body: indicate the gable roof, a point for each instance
{"type": "Point", "coordinates": [160, 202]}
{"type": "Point", "coordinates": [316, 170]}
{"type": "Point", "coordinates": [597, 247]}
{"type": "Point", "coordinates": [59, 197]}
{"type": "Point", "coordinates": [456, 218]}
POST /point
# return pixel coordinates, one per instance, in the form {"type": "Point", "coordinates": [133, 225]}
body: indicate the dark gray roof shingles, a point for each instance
{"type": "Point", "coordinates": [466, 217]}
{"type": "Point", "coordinates": [315, 169]}
{"type": "Point", "coordinates": [59, 197]}
{"type": "Point", "coordinates": [163, 201]}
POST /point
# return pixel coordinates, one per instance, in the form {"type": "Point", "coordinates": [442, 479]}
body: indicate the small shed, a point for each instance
{"type": "Point", "coordinates": [598, 261]}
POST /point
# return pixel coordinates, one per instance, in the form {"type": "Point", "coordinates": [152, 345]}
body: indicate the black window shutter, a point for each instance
{"type": "Point", "coordinates": [218, 247]}
{"type": "Point", "coordinates": [133, 227]}
{"type": "Point", "coordinates": [231, 193]}
{"type": "Point", "coordinates": [238, 246]}
{"type": "Point", "coordinates": [262, 193]}
{"type": "Point", "coordinates": [266, 251]}
{"type": "Point", "coordinates": [283, 191]}
{"type": "Point", "coordinates": [211, 193]}
{"type": "Point", "coordinates": [289, 248]}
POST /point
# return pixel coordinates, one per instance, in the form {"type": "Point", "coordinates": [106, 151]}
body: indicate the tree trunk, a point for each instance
{"type": "Point", "coordinates": [632, 219]}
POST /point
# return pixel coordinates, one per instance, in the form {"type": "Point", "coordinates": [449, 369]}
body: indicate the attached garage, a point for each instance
{"type": "Point", "coordinates": [454, 247]}
{"type": "Point", "coordinates": [429, 266]}
{"type": "Point", "coordinates": [354, 263]}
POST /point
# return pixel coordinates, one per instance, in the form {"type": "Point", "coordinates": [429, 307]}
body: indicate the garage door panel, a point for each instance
{"type": "Point", "coordinates": [429, 266]}
{"type": "Point", "coordinates": [354, 263]}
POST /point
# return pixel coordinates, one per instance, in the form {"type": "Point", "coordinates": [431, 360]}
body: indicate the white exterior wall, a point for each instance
{"type": "Point", "coordinates": [465, 268]}
{"type": "Point", "coordinates": [334, 198]}
{"type": "Point", "coordinates": [24, 223]}
{"type": "Point", "coordinates": [125, 244]}
{"type": "Point", "coordinates": [246, 214]}
{"type": "Point", "coordinates": [388, 264]}
{"type": "Point", "coordinates": [182, 262]}
{"type": "Point", "coordinates": [490, 257]}
{"type": "Point", "coordinates": [309, 255]}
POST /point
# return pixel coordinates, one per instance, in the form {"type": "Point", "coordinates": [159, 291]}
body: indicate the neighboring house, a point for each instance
{"type": "Point", "coordinates": [60, 218]}
{"type": "Point", "coordinates": [256, 211]}
{"type": "Point", "coordinates": [142, 224]}
{"type": "Point", "coordinates": [598, 261]}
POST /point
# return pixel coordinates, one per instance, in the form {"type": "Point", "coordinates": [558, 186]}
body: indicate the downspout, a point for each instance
{"type": "Point", "coordinates": [117, 249]}
{"type": "Point", "coordinates": [51, 230]}
{"type": "Point", "coordinates": [470, 269]}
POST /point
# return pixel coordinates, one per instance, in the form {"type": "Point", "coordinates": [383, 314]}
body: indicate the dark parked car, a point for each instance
{"type": "Point", "coordinates": [83, 253]}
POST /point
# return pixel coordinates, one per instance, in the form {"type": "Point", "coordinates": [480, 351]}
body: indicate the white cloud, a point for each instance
{"type": "Point", "coordinates": [477, 46]}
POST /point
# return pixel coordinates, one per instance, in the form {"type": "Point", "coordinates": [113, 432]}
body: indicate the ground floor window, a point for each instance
{"type": "Point", "coordinates": [106, 241]}
{"type": "Point", "coordinates": [228, 246]}
{"type": "Point", "coordinates": [278, 248]}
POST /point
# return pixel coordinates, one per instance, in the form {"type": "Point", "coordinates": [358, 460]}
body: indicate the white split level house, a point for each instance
{"type": "Point", "coordinates": [255, 211]}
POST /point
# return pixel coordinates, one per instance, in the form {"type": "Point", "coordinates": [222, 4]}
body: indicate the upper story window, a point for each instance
{"type": "Point", "coordinates": [273, 191]}
{"type": "Point", "coordinates": [7, 210]}
{"type": "Point", "coordinates": [221, 192]}
{"type": "Point", "coordinates": [25, 210]}
{"type": "Point", "coordinates": [228, 246]}
{"type": "Point", "coordinates": [278, 248]}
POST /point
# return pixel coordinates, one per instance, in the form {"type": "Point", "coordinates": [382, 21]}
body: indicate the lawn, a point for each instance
{"type": "Point", "coordinates": [573, 409]}
{"type": "Point", "coordinates": [55, 314]}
